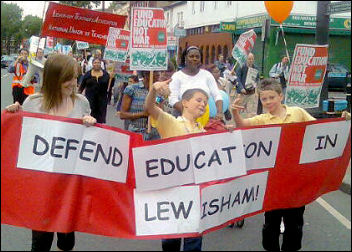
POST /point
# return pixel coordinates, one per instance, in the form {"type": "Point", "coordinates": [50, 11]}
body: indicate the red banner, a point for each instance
{"type": "Point", "coordinates": [64, 202]}
{"type": "Point", "coordinates": [74, 23]}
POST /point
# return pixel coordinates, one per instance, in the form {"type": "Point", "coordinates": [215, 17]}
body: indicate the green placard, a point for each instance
{"type": "Point", "coordinates": [148, 60]}
{"type": "Point", "coordinates": [306, 98]}
{"type": "Point", "coordinates": [115, 55]}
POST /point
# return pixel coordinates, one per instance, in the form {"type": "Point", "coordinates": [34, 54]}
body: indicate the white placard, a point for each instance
{"type": "Point", "coordinates": [163, 165]}
{"type": "Point", "coordinates": [55, 146]}
{"type": "Point", "coordinates": [169, 211]}
{"type": "Point", "coordinates": [224, 202]}
{"type": "Point", "coordinates": [218, 156]}
{"type": "Point", "coordinates": [260, 147]}
{"type": "Point", "coordinates": [324, 141]}
{"type": "Point", "coordinates": [36, 42]}
{"type": "Point", "coordinates": [82, 45]}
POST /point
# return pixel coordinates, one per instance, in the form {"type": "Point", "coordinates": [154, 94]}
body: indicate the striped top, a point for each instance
{"type": "Point", "coordinates": [138, 94]}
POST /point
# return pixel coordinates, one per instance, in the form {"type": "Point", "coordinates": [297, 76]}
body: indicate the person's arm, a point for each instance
{"type": "Point", "coordinates": [346, 115]}
{"type": "Point", "coordinates": [272, 72]}
{"type": "Point", "coordinates": [174, 94]}
{"type": "Point", "coordinates": [84, 83]}
{"type": "Point", "coordinates": [178, 107]}
{"type": "Point", "coordinates": [13, 107]}
{"type": "Point", "coordinates": [240, 87]}
{"type": "Point", "coordinates": [236, 107]}
{"type": "Point", "coordinates": [125, 107]}
{"type": "Point", "coordinates": [12, 68]}
{"type": "Point", "coordinates": [219, 114]}
{"type": "Point", "coordinates": [160, 88]}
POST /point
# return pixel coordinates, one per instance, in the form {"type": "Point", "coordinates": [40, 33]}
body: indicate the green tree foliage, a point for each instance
{"type": "Point", "coordinates": [32, 25]}
{"type": "Point", "coordinates": [11, 15]}
{"type": "Point", "coordinates": [81, 4]}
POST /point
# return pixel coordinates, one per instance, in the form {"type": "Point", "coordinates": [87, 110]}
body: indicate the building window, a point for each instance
{"type": "Point", "coordinates": [180, 19]}
{"type": "Point", "coordinates": [193, 8]}
{"type": "Point", "coordinates": [215, 5]}
{"type": "Point", "coordinates": [168, 18]}
{"type": "Point", "coordinates": [202, 4]}
{"type": "Point", "coordinates": [229, 3]}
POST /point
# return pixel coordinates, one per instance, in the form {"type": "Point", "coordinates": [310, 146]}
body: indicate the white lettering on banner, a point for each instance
{"type": "Point", "coordinates": [224, 202]}
{"type": "Point", "coordinates": [163, 165]}
{"type": "Point", "coordinates": [260, 147]}
{"type": "Point", "coordinates": [169, 211]}
{"type": "Point", "coordinates": [324, 141]}
{"type": "Point", "coordinates": [218, 156]}
{"type": "Point", "coordinates": [83, 18]}
{"type": "Point", "coordinates": [56, 146]}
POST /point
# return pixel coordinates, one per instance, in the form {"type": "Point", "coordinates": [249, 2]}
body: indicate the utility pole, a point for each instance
{"type": "Point", "coordinates": [321, 38]}
{"type": "Point", "coordinates": [103, 10]}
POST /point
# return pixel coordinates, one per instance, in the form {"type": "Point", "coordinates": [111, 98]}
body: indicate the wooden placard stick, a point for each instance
{"type": "Point", "coordinates": [151, 73]}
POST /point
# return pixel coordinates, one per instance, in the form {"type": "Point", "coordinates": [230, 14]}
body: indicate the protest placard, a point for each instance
{"type": "Point", "coordinates": [122, 71]}
{"type": "Point", "coordinates": [244, 46]}
{"type": "Point", "coordinates": [251, 79]}
{"type": "Point", "coordinates": [81, 45]}
{"type": "Point", "coordinates": [35, 43]}
{"type": "Point", "coordinates": [306, 75]}
{"type": "Point", "coordinates": [80, 24]}
{"type": "Point", "coordinates": [149, 39]}
{"type": "Point", "coordinates": [117, 45]}
{"type": "Point", "coordinates": [49, 42]}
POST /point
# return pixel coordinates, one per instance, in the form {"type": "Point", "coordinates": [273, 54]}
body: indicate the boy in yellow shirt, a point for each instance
{"type": "Point", "coordinates": [270, 94]}
{"type": "Point", "coordinates": [194, 103]}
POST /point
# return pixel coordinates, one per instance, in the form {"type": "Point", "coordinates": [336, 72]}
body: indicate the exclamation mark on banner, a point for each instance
{"type": "Point", "coordinates": [256, 194]}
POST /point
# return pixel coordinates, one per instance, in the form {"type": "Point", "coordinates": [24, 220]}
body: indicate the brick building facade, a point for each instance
{"type": "Point", "coordinates": [211, 44]}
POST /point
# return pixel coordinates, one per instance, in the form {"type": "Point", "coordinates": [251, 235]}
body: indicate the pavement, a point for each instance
{"type": "Point", "coordinates": [346, 182]}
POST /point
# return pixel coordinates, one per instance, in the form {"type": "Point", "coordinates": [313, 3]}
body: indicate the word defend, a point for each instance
{"type": "Point", "coordinates": [68, 148]}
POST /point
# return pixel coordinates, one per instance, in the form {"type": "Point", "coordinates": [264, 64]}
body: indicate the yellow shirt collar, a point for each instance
{"type": "Point", "coordinates": [288, 112]}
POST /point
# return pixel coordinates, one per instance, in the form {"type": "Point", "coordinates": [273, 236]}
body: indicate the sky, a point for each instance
{"type": "Point", "coordinates": [35, 8]}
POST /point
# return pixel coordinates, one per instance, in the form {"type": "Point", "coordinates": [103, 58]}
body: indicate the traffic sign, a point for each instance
{"type": "Point", "coordinates": [180, 32]}
{"type": "Point", "coordinates": [338, 7]}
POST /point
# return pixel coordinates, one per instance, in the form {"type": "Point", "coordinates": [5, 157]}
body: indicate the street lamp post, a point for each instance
{"type": "Point", "coordinates": [321, 38]}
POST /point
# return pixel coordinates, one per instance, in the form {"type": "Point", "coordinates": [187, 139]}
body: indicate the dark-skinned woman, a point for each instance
{"type": "Point", "coordinates": [96, 84]}
{"type": "Point", "coordinates": [192, 76]}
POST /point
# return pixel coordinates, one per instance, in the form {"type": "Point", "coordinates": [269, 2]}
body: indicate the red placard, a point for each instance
{"type": "Point", "coordinates": [118, 39]}
{"type": "Point", "coordinates": [308, 65]}
{"type": "Point", "coordinates": [74, 23]}
{"type": "Point", "coordinates": [148, 28]}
